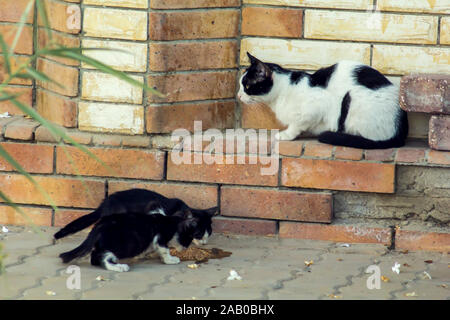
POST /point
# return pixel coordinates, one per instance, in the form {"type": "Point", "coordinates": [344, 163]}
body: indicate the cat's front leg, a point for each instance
{"type": "Point", "coordinates": [166, 257]}
{"type": "Point", "coordinates": [290, 133]}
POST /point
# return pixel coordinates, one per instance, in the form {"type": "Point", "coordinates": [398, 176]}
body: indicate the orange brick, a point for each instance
{"type": "Point", "coordinates": [135, 141]}
{"type": "Point", "coordinates": [79, 137]}
{"type": "Point", "coordinates": [335, 233]}
{"type": "Point", "coordinates": [259, 116]}
{"type": "Point", "coordinates": [65, 216]}
{"type": "Point", "coordinates": [26, 98]}
{"type": "Point", "coordinates": [244, 226]}
{"type": "Point", "coordinates": [338, 175]}
{"type": "Point", "coordinates": [56, 108]}
{"type": "Point", "coordinates": [410, 155]}
{"type": "Point", "coordinates": [193, 25]}
{"type": "Point", "coordinates": [380, 155]}
{"type": "Point", "coordinates": [64, 17]}
{"type": "Point", "coordinates": [195, 195]}
{"type": "Point", "coordinates": [12, 11]}
{"type": "Point", "coordinates": [25, 43]}
{"type": "Point", "coordinates": [22, 129]}
{"type": "Point", "coordinates": [4, 122]}
{"type": "Point", "coordinates": [63, 191]}
{"type": "Point", "coordinates": [272, 22]}
{"type": "Point", "coordinates": [32, 158]}
{"type": "Point", "coordinates": [317, 149]}
{"type": "Point", "coordinates": [227, 173]}
{"type": "Point", "coordinates": [64, 75]}
{"type": "Point", "coordinates": [208, 55]}
{"type": "Point", "coordinates": [276, 204]}
{"type": "Point", "coordinates": [127, 163]}
{"type": "Point", "coordinates": [184, 4]}
{"type": "Point", "coordinates": [194, 86]}
{"type": "Point", "coordinates": [60, 39]}
{"type": "Point", "coordinates": [107, 140]}
{"type": "Point", "coordinates": [290, 148]}
{"type": "Point", "coordinates": [45, 135]}
{"type": "Point", "coordinates": [165, 119]}
{"type": "Point", "coordinates": [439, 157]}
{"type": "Point", "coordinates": [15, 62]}
{"type": "Point", "coordinates": [346, 153]}
{"type": "Point", "coordinates": [417, 240]}
{"type": "Point", "coordinates": [39, 216]}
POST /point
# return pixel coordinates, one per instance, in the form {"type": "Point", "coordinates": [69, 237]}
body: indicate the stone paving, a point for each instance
{"type": "Point", "coordinates": [270, 268]}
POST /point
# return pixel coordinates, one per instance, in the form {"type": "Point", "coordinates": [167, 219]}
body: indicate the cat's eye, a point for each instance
{"type": "Point", "coordinates": [247, 86]}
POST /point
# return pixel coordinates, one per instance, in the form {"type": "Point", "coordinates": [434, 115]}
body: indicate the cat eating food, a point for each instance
{"type": "Point", "coordinates": [121, 236]}
{"type": "Point", "coordinates": [347, 104]}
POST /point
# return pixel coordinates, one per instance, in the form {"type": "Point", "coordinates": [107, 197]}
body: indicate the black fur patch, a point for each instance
{"type": "Point", "coordinates": [297, 76]}
{"type": "Point", "coordinates": [344, 111]}
{"type": "Point", "coordinates": [370, 78]}
{"type": "Point", "coordinates": [322, 76]}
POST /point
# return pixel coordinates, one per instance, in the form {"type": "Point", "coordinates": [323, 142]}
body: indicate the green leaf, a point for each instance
{"type": "Point", "coordinates": [22, 21]}
{"type": "Point", "coordinates": [5, 51]}
{"type": "Point", "coordinates": [41, 76]}
{"type": "Point", "coordinates": [8, 96]}
{"type": "Point", "coordinates": [42, 13]}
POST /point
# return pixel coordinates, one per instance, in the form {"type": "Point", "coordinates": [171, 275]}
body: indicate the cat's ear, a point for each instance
{"type": "Point", "coordinates": [214, 211]}
{"type": "Point", "coordinates": [253, 60]}
{"type": "Point", "coordinates": [185, 214]}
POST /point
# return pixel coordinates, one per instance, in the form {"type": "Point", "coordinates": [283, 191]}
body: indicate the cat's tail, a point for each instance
{"type": "Point", "coordinates": [79, 224]}
{"type": "Point", "coordinates": [83, 248]}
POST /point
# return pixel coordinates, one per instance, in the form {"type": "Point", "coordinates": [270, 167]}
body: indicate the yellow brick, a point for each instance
{"type": "Point", "coordinates": [445, 30]}
{"type": "Point", "coordinates": [362, 26]}
{"type": "Point", "coordinates": [104, 87]}
{"type": "Point", "coordinates": [432, 6]}
{"type": "Point", "coordinates": [115, 23]}
{"type": "Point", "coordinates": [143, 4]}
{"type": "Point", "coordinates": [303, 54]}
{"type": "Point", "coordinates": [132, 57]}
{"type": "Point", "coordinates": [116, 118]}
{"type": "Point", "coordinates": [338, 4]}
{"type": "Point", "coordinates": [402, 60]}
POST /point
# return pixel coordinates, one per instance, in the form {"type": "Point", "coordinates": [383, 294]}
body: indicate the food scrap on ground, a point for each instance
{"type": "Point", "coordinates": [234, 275]}
{"type": "Point", "coordinates": [199, 255]}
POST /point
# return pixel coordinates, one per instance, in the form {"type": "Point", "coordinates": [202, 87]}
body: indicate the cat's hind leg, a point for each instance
{"type": "Point", "coordinates": [108, 260]}
{"type": "Point", "coordinates": [292, 131]}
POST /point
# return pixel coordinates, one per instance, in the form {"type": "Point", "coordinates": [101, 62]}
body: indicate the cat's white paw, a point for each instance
{"type": "Point", "coordinates": [283, 135]}
{"type": "Point", "coordinates": [171, 260]}
{"type": "Point", "coordinates": [118, 267]}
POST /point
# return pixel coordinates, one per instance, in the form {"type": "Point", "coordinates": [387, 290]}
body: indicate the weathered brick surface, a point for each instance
{"type": "Point", "coordinates": [428, 93]}
{"type": "Point", "coordinates": [122, 163]}
{"type": "Point", "coordinates": [290, 148]}
{"type": "Point", "coordinates": [25, 43]}
{"type": "Point", "coordinates": [276, 204]}
{"type": "Point", "coordinates": [338, 175]}
{"type": "Point", "coordinates": [193, 25]}
{"type": "Point", "coordinates": [106, 140]}
{"type": "Point", "coordinates": [165, 119]}
{"type": "Point", "coordinates": [341, 4]}
{"type": "Point", "coordinates": [445, 30]}
{"type": "Point", "coordinates": [227, 173]}
{"type": "Point", "coordinates": [183, 4]}
{"type": "Point", "coordinates": [417, 240]}
{"type": "Point", "coordinates": [194, 86]}
{"type": "Point", "coordinates": [26, 97]}
{"type": "Point", "coordinates": [64, 17]}
{"type": "Point", "coordinates": [68, 40]}
{"type": "Point", "coordinates": [429, 6]}
{"type": "Point", "coordinates": [336, 233]}
{"type": "Point", "coordinates": [12, 11]}
{"type": "Point", "coordinates": [258, 116]}
{"type": "Point", "coordinates": [115, 23]}
{"type": "Point", "coordinates": [283, 22]}
{"type": "Point", "coordinates": [410, 155]}
{"type": "Point", "coordinates": [63, 191]}
{"type": "Point", "coordinates": [439, 157]}
{"type": "Point", "coordinates": [142, 4]}
{"type": "Point", "coordinates": [32, 158]}
{"type": "Point", "coordinates": [317, 149]}
{"type": "Point", "coordinates": [65, 216]}
{"type": "Point", "coordinates": [39, 216]}
{"type": "Point", "coordinates": [208, 55]}
{"type": "Point", "coordinates": [56, 108]}
{"type": "Point", "coordinates": [79, 137]}
{"type": "Point", "coordinates": [244, 226]}
{"type": "Point", "coordinates": [22, 129]}
{"type": "Point", "coordinates": [345, 153]}
{"type": "Point", "coordinates": [65, 76]}
{"type": "Point", "coordinates": [135, 141]}
{"type": "Point", "coordinates": [386, 155]}
{"type": "Point", "coordinates": [195, 195]}
{"type": "Point", "coordinates": [439, 136]}
{"type": "Point", "coordinates": [15, 62]}
{"type": "Point", "coordinates": [43, 134]}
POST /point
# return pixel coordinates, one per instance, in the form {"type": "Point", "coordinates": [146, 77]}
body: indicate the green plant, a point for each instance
{"type": "Point", "coordinates": [27, 70]}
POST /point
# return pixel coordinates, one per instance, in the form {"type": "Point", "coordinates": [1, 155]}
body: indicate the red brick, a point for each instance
{"type": "Point", "coordinates": [65, 216]}
{"type": "Point", "coordinates": [227, 173]}
{"type": "Point", "coordinates": [439, 157]}
{"type": "Point", "coordinates": [276, 204]}
{"type": "Point", "coordinates": [193, 25]}
{"type": "Point", "coordinates": [380, 155]}
{"type": "Point", "coordinates": [45, 135]}
{"type": "Point", "coordinates": [32, 158]}
{"type": "Point", "coordinates": [106, 140]}
{"type": "Point", "coordinates": [63, 191]}
{"type": "Point", "coordinates": [12, 11]}
{"type": "Point", "coordinates": [39, 216]}
{"type": "Point", "coordinates": [63, 75]}
{"type": "Point", "coordinates": [62, 17]}
{"type": "Point", "coordinates": [290, 148]}
{"type": "Point", "coordinates": [208, 55]}
{"type": "Point", "coordinates": [127, 163]}
{"type": "Point", "coordinates": [417, 240]}
{"type": "Point", "coordinates": [195, 195]}
{"type": "Point", "coordinates": [428, 93]}
{"type": "Point", "coordinates": [272, 22]}
{"type": "Point", "coordinates": [56, 108]}
{"type": "Point", "coordinates": [4, 122]}
{"type": "Point", "coordinates": [317, 149]}
{"type": "Point", "coordinates": [62, 39]}
{"type": "Point", "coordinates": [165, 119]}
{"type": "Point", "coordinates": [244, 226]}
{"type": "Point", "coordinates": [194, 86]}
{"type": "Point", "coordinates": [185, 4]}
{"type": "Point", "coordinates": [25, 43]}
{"type": "Point", "coordinates": [410, 155]}
{"type": "Point", "coordinates": [79, 137]}
{"type": "Point", "coordinates": [439, 135]}
{"type": "Point", "coordinates": [26, 97]}
{"type": "Point", "coordinates": [338, 175]}
{"type": "Point", "coordinates": [22, 129]}
{"type": "Point", "coordinates": [346, 153]}
{"type": "Point", "coordinates": [135, 141]}
{"type": "Point", "coordinates": [15, 62]}
{"type": "Point", "coordinates": [259, 116]}
{"type": "Point", "coordinates": [335, 233]}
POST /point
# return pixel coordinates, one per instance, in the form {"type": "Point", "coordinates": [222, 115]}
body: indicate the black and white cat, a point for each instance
{"type": "Point", "coordinates": [140, 201]}
{"type": "Point", "coordinates": [121, 236]}
{"type": "Point", "coordinates": [347, 104]}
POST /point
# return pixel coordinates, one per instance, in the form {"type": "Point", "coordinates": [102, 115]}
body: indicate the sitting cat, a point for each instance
{"type": "Point", "coordinates": [119, 236]}
{"type": "Point", "coordinates": [347, 104]}
{"type": "Point", "coordinates": [137, 201]}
